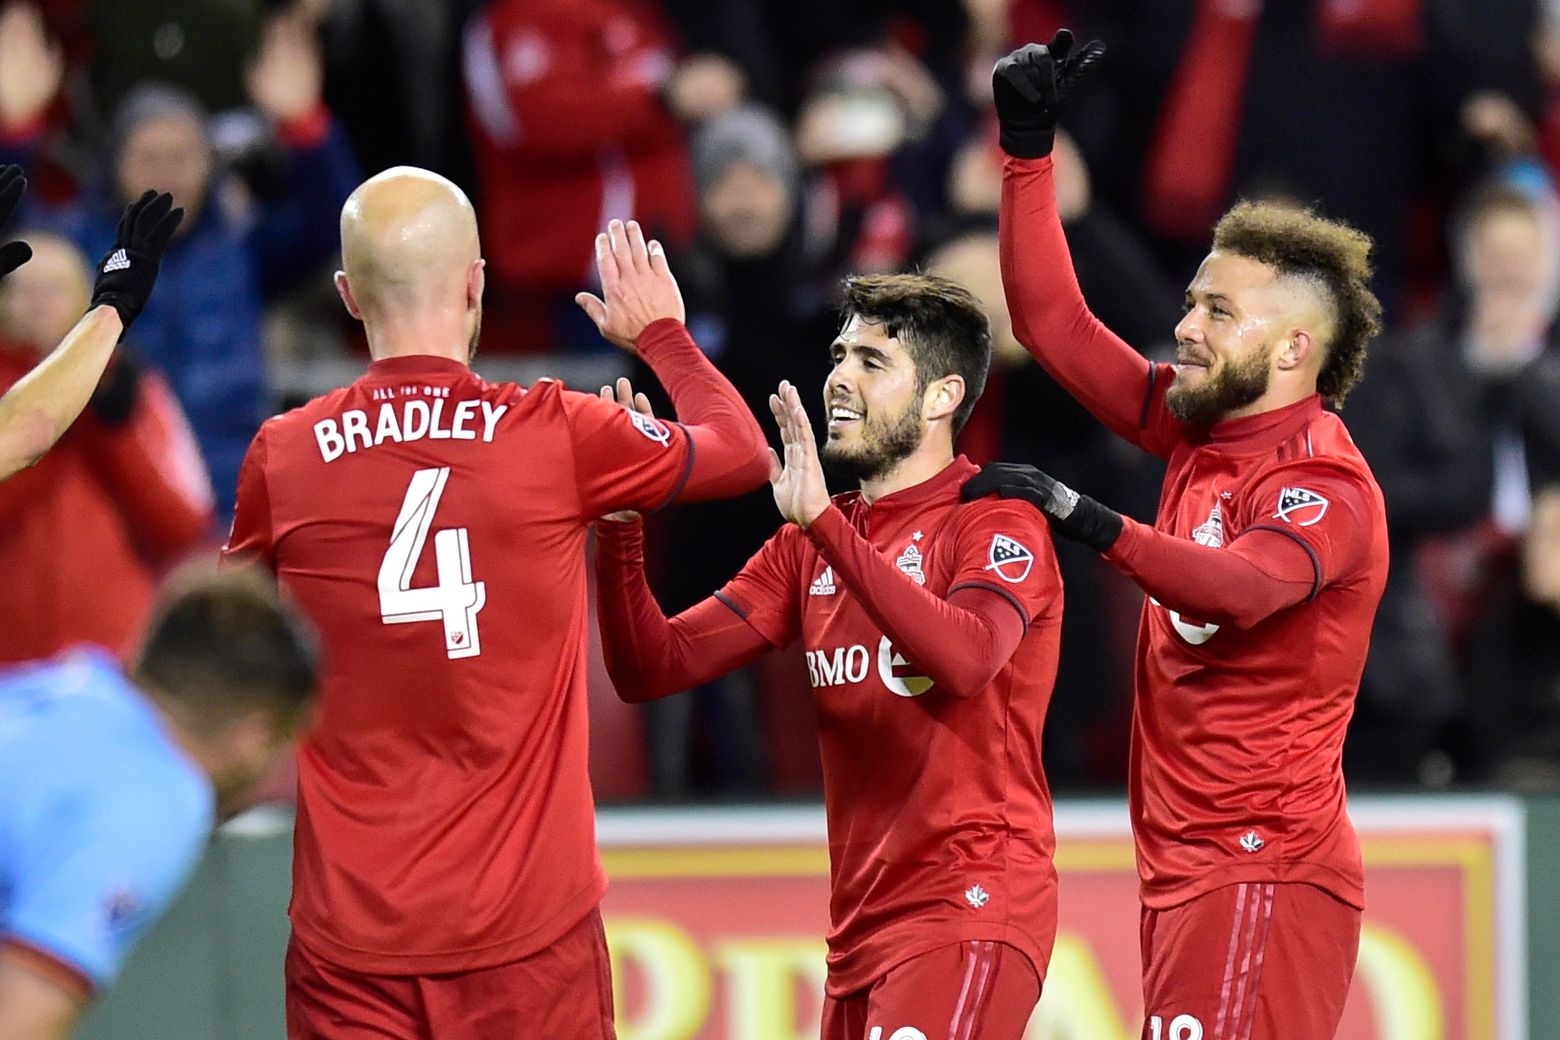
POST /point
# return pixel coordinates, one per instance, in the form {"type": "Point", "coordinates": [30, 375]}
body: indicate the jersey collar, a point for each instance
{"type": "Point", "coordinates": [1265, 429]}
{"type": "Point", "coordinates": [408, 365]}
{"type": "Point", "coordinates": [945, 484]}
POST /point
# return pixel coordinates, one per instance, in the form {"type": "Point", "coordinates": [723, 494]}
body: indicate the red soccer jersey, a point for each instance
{"type": "Point", "coordinates": [434, 527]}
{"type": "Point", "coordinates": [939, 816]}
{"type": "Point", "coordinates": [1238, 731]}
{"type": "Point", "coordinates": [1237, 746]}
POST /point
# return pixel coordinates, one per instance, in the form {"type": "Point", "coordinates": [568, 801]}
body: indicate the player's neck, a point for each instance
{"type": "Point", "coordinates": [918, 467]}
{"type": "Point", "coordinates": [435, 335]}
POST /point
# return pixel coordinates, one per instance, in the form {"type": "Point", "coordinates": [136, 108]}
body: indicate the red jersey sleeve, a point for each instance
{"type": "Point", "coordinates": [1303, 526]}
{"type": "Point", "coordinates": [1321, 504]}
{"type": "Point", "coordinates": [1053, 322]}
{"type": "Point", "coordinates": [624, 460]}
{"type": "Point", "coordinates": [962, 639]}
{"type": "Point", "coordinates": [647, 654]}
{"type": "Point", "coordinates": [251, 536]}
{"type": "Point", "coordinates": [765, 594]}
{"type": "Point", "coordinates": [1005, 547]}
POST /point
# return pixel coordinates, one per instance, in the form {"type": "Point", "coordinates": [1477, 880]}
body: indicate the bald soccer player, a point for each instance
{"type": "Point", "coordinates": [445, 874]}
{"type": "Point", "coordinates": [39, 408]}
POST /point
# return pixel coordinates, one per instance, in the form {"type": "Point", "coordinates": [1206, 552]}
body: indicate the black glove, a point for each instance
{"type": "Point", "coordinates": [1072, 515]}
{"type": "Point", "coordinates": [12, 186]}
{"type": "Point", "coordinates": [1031, 87]}
{"type": "Point", "coordinates": [127, 274]}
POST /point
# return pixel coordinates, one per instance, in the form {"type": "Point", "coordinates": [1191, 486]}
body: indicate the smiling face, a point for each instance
{"type": "Point", "coordinates": [874, 403]}
{"type": "Point", "coordinates": [1236, 310]}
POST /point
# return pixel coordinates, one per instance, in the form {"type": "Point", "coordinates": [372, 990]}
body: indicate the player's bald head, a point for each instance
{"type": "Point", "coordinates": [408, 239]}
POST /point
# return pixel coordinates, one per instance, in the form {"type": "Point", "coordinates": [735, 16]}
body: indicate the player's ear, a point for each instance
{"type": "Point", "coordinates": [1295, 351]}
{"type": "Point", "coordinates": [943, 398]}
{"type": "Point", "coordinates": [345, 289]}
{"type": "Point", "coordinates": [476, 280]}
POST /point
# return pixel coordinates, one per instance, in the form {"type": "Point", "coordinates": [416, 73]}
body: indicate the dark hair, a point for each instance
{"type": "Point", "coordinates": [223, 645]}
{"type": "Point", "coordinates": [1298, 242]}
{"type": "Point", "coordinates": [942, 324]}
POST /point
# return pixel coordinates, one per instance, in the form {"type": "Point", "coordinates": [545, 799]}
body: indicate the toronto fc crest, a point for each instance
{"type": "Point", "coordinates": [1211, 531]}
{"type": "Point", "coordinates": [910, 562]}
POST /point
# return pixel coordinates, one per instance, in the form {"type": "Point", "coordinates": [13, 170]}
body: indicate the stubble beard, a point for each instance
{"type": "Point", "coordinates": [880, 450]}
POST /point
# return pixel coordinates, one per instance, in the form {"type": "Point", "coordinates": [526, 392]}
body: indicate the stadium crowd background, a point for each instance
{"type": "Point", "coordinates": [776, 145]}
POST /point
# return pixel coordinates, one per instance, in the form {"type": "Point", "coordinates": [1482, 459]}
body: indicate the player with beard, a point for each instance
{"type": "Point", "coordinates": [445, 874]}
{"type": "Point", "coordinates": [1263, 569]}
{"type": "Point", "coordinates": [930, 629]}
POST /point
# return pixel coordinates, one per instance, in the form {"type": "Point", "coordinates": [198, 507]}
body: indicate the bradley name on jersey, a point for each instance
{"type": "Point", "coordinates": [407, 413]}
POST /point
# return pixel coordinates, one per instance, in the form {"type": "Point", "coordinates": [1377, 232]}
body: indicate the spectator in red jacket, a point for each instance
{"type": "Point", "coordinates": [85, 532]}
{"type": "Point", "coordinates": [569, 130]}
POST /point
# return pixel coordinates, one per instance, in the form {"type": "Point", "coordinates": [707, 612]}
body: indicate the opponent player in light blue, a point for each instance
{"type": "Point", "coordinates": [110, 783]}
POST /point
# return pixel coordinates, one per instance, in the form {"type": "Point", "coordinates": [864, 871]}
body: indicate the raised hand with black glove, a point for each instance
{"type": "Point", "coordinates": [1072, 515]}
{"type": "Point", "coordinates": [126, 275]}
{"type": "Point", "coordinates": [1031, 87]}
{"type": "Point", "coordinates": [12, 187]}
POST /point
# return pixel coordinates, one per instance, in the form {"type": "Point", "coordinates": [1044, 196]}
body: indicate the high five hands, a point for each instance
{"type": "Point", "coordinates": [797, 478]}
{"type": "Point", "coordinates": [637, 286]}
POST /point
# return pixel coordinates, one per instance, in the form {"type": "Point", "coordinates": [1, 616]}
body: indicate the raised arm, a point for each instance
{"type": "Point", "coordinates": [38, 410]}
{"type": "Point", "coordinates": [1050, 317]}
{"type": "Point", "coordinates": [642, 312]}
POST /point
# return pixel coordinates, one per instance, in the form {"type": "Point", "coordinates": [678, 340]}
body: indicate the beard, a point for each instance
{"type": "Point", "coordinates": [881, 448]}
{"type": "Point", "coordinates": [1237, 385]}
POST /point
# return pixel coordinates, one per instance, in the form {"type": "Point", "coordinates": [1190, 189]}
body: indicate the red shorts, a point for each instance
{"type": "Point", "coordinates": [965, 991]}
{"type": "Point", "coordinates": [561, 993]}
{"type": "Point", "coordinates": [1255, 961]}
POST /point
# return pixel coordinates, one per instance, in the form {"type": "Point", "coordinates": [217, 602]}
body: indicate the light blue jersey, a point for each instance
{"type": "Point", "coordinates": [102, 816]}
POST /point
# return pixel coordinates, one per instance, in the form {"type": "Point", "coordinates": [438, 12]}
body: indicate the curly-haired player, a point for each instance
{"type": "Point", "coordinates": [1263, 570]}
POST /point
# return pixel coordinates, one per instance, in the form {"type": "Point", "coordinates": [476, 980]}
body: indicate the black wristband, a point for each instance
{"type": "Point", "coordinates": [1091, 523]}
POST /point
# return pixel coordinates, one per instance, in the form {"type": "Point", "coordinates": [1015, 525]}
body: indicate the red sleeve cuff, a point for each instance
{"type": "Point", "coordinates": [662, 335]}
{"type": "Point", "coordinates": [829, 528]}
{"type": "Point", "coordinates": [307, 131]}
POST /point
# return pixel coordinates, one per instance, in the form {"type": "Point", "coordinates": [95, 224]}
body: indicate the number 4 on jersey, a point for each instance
{"type": "Point", "coordinates": [456, 599]}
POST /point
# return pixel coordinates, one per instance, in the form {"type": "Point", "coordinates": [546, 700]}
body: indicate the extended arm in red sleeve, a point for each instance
{"type": "Point", "coordinates": [1263, 571]}
{"type": "Point", "coordinates": [961, 642]}
{"type": "Point", "coordinates": [730, 455]}
{"type": "Point", "coordinates": [649, 655]}
{"type": "Point", "coordinates": [1051, 318]}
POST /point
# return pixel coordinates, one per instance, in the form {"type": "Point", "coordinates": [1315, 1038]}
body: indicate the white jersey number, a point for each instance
{"type": "Point", "coordinates": [1182, 1027]}
{"type": "Point", "coordinates": [456, 599]}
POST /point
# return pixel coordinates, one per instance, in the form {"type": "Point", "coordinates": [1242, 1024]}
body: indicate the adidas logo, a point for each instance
{"type": "Point", "coordinates": [116, 262]}
{"type": "Point", "coordinates": [823, 585]}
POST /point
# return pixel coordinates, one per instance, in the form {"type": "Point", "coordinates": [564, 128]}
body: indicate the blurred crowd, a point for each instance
{"type": "Point", "coordinates": [774, 146]}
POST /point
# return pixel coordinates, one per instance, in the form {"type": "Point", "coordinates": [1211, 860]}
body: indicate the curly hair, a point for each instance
{"type": "Point", "coordinates": [1328, 253]}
